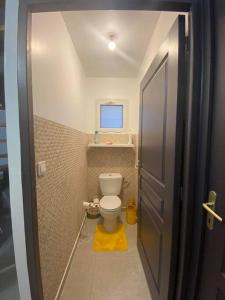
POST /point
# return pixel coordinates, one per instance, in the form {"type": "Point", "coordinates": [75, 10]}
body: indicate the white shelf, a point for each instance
{"type": "Point", "coordinates": [92, 145]}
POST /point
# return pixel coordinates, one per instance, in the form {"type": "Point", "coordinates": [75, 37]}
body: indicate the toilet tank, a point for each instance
{"type": "Point", "coordinates": [110, 183]}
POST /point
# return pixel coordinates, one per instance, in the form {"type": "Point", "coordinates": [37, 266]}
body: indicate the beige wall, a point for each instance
{"type": "Point", "coordinates": [60, 194]}
{"type": "Point", "coordinates": [116, 160]}
{"type": "Point", "coordinates": [60, 141]}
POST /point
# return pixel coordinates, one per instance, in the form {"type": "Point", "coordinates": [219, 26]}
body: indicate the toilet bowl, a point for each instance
{"type": "Point", "coordinates": [110, 208]}
{"type": "Point", "coordinates": [110, 203]}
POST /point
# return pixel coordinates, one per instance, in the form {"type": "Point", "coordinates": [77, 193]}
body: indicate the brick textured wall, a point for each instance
{"type": "Point", "coordinates": [60, 194]}
{"type": "Point", "coordinates": [116, 160]}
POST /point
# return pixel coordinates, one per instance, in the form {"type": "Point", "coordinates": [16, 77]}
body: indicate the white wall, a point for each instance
{"type": "Point", "coordinates": [111, 88]}
{"type": "Point", "coordinates": [13, 144]}
{"type": "Point", "coordinates": [164, 23]}
{"type": "Point", "coordinates": [57, 75]}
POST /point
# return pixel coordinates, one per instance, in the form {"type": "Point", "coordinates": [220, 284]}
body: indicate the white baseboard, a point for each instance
{"type": "Point", "coordinates": [59, 291]}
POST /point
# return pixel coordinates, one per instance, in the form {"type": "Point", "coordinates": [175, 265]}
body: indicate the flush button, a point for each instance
{"type": "Point", "coordinates": [41, 168]}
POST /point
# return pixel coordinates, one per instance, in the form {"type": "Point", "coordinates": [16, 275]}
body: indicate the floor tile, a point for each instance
{"type": "Point", "coordinates": [105, 275]}
{"type": "Point", "coordinates": [119, 278]}
{"type": "Point", "coordinates": [79, 281]}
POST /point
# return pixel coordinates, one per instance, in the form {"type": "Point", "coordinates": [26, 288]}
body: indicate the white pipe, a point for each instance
{"type": "Point", "coordinates": [66, 271]}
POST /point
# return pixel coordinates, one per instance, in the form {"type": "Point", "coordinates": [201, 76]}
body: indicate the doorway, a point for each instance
{"type": "Point", "coordinates": [22, 49]}
{"type": "Point", "coordinates": [212, 284]}
{"type": "Point", "coordinates": [101, 86]}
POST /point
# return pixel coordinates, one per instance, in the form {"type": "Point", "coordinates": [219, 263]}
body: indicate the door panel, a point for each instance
{"type": "Point", "coordinates": [154, 123]}
{"type": "Point", "coordinates": [151, 238]}
{"type": "Point", "coordinates": [160, 149]}
{"type": "Point", "coordinates": [154, 199]}
{"type": "Point", "coordinates": [212, 283]}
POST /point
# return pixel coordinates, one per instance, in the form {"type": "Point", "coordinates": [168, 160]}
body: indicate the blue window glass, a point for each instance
{"type": "Point", "coordinates": [111, 116]}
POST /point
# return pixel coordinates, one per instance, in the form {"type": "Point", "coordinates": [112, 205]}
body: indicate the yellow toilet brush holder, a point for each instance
{"type": "Point", "coordinates": [131, 212]}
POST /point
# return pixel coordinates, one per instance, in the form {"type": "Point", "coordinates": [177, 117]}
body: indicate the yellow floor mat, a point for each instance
{"type": "Point", "coordinates": [105, 241]}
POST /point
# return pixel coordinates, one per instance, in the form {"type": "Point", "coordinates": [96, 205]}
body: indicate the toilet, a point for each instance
{"type": "Point", "coordinates": [110, 203]}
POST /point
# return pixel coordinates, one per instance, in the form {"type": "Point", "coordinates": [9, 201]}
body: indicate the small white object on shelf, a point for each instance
{"type": "Point", "coordinates": [96, 137]}
{"type": "Point", "coordinates": [102, 145]}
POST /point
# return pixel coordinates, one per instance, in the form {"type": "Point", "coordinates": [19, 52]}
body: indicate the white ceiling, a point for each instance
{"type": "Point", "coordinates": [89, 31]}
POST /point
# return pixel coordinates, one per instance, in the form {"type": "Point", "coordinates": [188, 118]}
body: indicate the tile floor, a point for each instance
{"type": "Point", "coordinates": [108, 275]}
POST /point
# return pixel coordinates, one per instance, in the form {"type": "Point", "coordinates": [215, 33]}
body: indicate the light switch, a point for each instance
{"type": "Point", "coordinates": [41, 168]}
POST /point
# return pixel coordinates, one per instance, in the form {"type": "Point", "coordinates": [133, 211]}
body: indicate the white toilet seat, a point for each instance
{"type": "Point", "coordinates": [110, 203]}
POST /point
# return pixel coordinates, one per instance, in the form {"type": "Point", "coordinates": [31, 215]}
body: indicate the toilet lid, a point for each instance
{"type": "Point", "coordinates": [110, 202]}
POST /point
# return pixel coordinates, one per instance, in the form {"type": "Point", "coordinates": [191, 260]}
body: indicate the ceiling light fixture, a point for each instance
{"type": "Point", "coordinates": [111, 43]}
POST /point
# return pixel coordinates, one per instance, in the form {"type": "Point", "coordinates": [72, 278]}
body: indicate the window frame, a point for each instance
{"type": "Point", "coordinates": [124, 103]}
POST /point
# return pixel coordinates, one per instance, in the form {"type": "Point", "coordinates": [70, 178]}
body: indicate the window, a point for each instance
{"type": "Point", "coordinates": [111, 115]}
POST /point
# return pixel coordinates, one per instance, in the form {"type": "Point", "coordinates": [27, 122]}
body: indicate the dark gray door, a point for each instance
{"type": "Point", "coordinates": [160, 157]}
{"type": "Point", "coordinates": [212, 284]}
